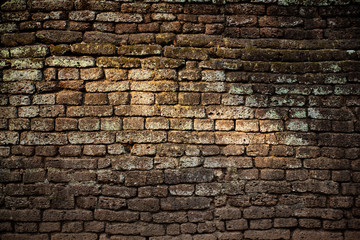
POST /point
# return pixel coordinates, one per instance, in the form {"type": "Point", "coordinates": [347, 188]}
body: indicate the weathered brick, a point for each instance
{"type": "Point", "coordinates": [302, 234]}
{"type": "Point", "coordinates": [185, 53]}
{"type": "Point", "coordinates": [188, 175]}
{"type": "Point", "coordinates": [93, 48]}
{"type": "Point", "coordinates": [107, 86]}
{"type": "Point", "coordinates": [184, 203]}
{"type": "Point", "coordinates": [16, 39]}
{"type": "Point", "coordinates": [66, 61]}
{"type": "Point", "coordinates": [222, 162]}
{"type": "Point", "coordinates": [22, 75]}
{"type": "Point", "coordinates": [118, 17]}
{"type": "Point", "coordinates": [100, 37]}
{"type": "Point", "coordinates": [144, 204]}
{"type": "Point", "coordinates": [146, 136]}
{"type": "Point", "coordinates": [157, 123]}
{"type": "Point", "coordinates": [69, 98]}
{"type": "Point", "coordinates": [136, 110]}
{"type": "Point", "coordinates": [270, 234]}
{"type": "Point", "coordinates": [108, 215]}
{"type": "Point", "coordinates": [91, 137]}
{"type": "Point", "coordinates": [117, 62]}
{"type": "Point", "coordinates": [133, 163]}
{"type": "Point", "coordinates": [116, 191]}
{"type": "Point", "coordinates": [58, 36]}
{"type": "Point", "coordinates": [111, 124]}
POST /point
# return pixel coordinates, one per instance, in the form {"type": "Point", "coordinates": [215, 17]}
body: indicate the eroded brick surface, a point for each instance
{"type": "Point", "coordinates": [179, 119]}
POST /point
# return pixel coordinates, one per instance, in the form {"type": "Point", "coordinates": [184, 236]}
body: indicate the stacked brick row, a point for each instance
{"type": "Point", "coordinates": [179, 120]}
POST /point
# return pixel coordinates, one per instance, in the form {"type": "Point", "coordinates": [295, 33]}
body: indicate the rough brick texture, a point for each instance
{"type": "Point", "coordinates": [179, 119]}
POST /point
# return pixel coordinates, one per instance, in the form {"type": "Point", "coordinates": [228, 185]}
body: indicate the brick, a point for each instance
{"type": "Point", "coordinates": [203, 124]}
{"type": "Point", "coordinates": [18, 88]}
{"type": "Point", "coordinates": [221, 162]}
{"type": "Point", "coordinates": [16, 236]}
{"type": "Point", "coordinates": [276, 162]}
{"type": "Point", "coordinates": [42, 124]}
{"type": "Point", "coordinates": [111, 124]}
{"type": "Point", "coordinates": [18, 75]}
{"type": "Point", "coordinates": [96, 99]}
{"type": "Point", "coordinates": [224, 125]}
{"type": "Point", "coordinates": [44, 99]}
{"type": "Point", "coordinates": [93, 48]}
{"type": "Point", "coordinates": [145, 204]}
{"type": "Point", "coordinates": [111, 203]}
{"type": "Point", "coordinates": [80, 236]}
{"type": "Point", "coordinates": [270, 234]}
{"type": "Point", "coordinates": [302, 234]}
{"type": "Point", "coordinates": [94, 150]}
{"type": "Point", "coordinates": [141, 74]}
{"type": "Point", "coordinates": [101, 37]}
{"type": "Point", "coordinates": [107, 86]}
{"type": "Point", "coordinates": [108, 215]}
{"type": "Point", "coordinates": [69, 98]}
{"type": "Point", "coordinates": [133, 163]}
{"type": "Point", "coordinates": [188, 175]}
{"type": "Point", "coordinates": [117, 62]}
{"type": "Point", "coordinates": [143, 149]}
{"type": "Point", "coordinates": [103, 27]}
{"type": "Point", "coordinates": [157, 123]}
{"type": "Point", "coordinates": [140, 50]}
{"type": "Point", "coordinates": [185, 53]}
{"type": "Point", "coordinates": [190, 137]}
{"type": "Point", "coordinates": [16, 39]}
{"type": "Point", "coordinates": [15, 101]}
{"type": "Point", "coordinates": [49, 227]}
{"type": "Point", "coordinates": [135, 123]}
{"type": "Point", "coordinates": [71, 150]}
{"type": "Point", "coordinates": [62, 124]}
{"type": "Point", "coordinates": [91, 137]}
{"type": "Point", "coordinates": [91, 73]}
{"type": "Point", "coordinates": [184, 203]}
{"type": "Point", "coordinates": [28, 138]}
{"type": "Point", "coordinates": [20, 215]}
{"type": "Point", "coordinates": [84, 15]}
{"type": "Point", "coordinates": [118, 17]}
{"type": "Point", "coordinates": [27, 63]}
{"type": "Point", "coordinates": [58, 36]}
{"type": "Point", "coordinates": [94, 226]}
{"type": "Point", "coordinates": [66, 61]}
{"type": "Point", "coordinates": [146, 136]}
{"type": "Point", "coordinates": [229, 112]}
{"type": "Point", "coordinates": [326, 163]}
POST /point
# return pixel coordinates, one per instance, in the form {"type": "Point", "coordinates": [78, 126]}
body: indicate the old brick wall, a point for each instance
{"type": "Point", "coordinates": [175, 119]}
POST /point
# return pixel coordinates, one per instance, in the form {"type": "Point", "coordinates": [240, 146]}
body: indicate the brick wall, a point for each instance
{"type": "Point", "coordinates": [174, 119]}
